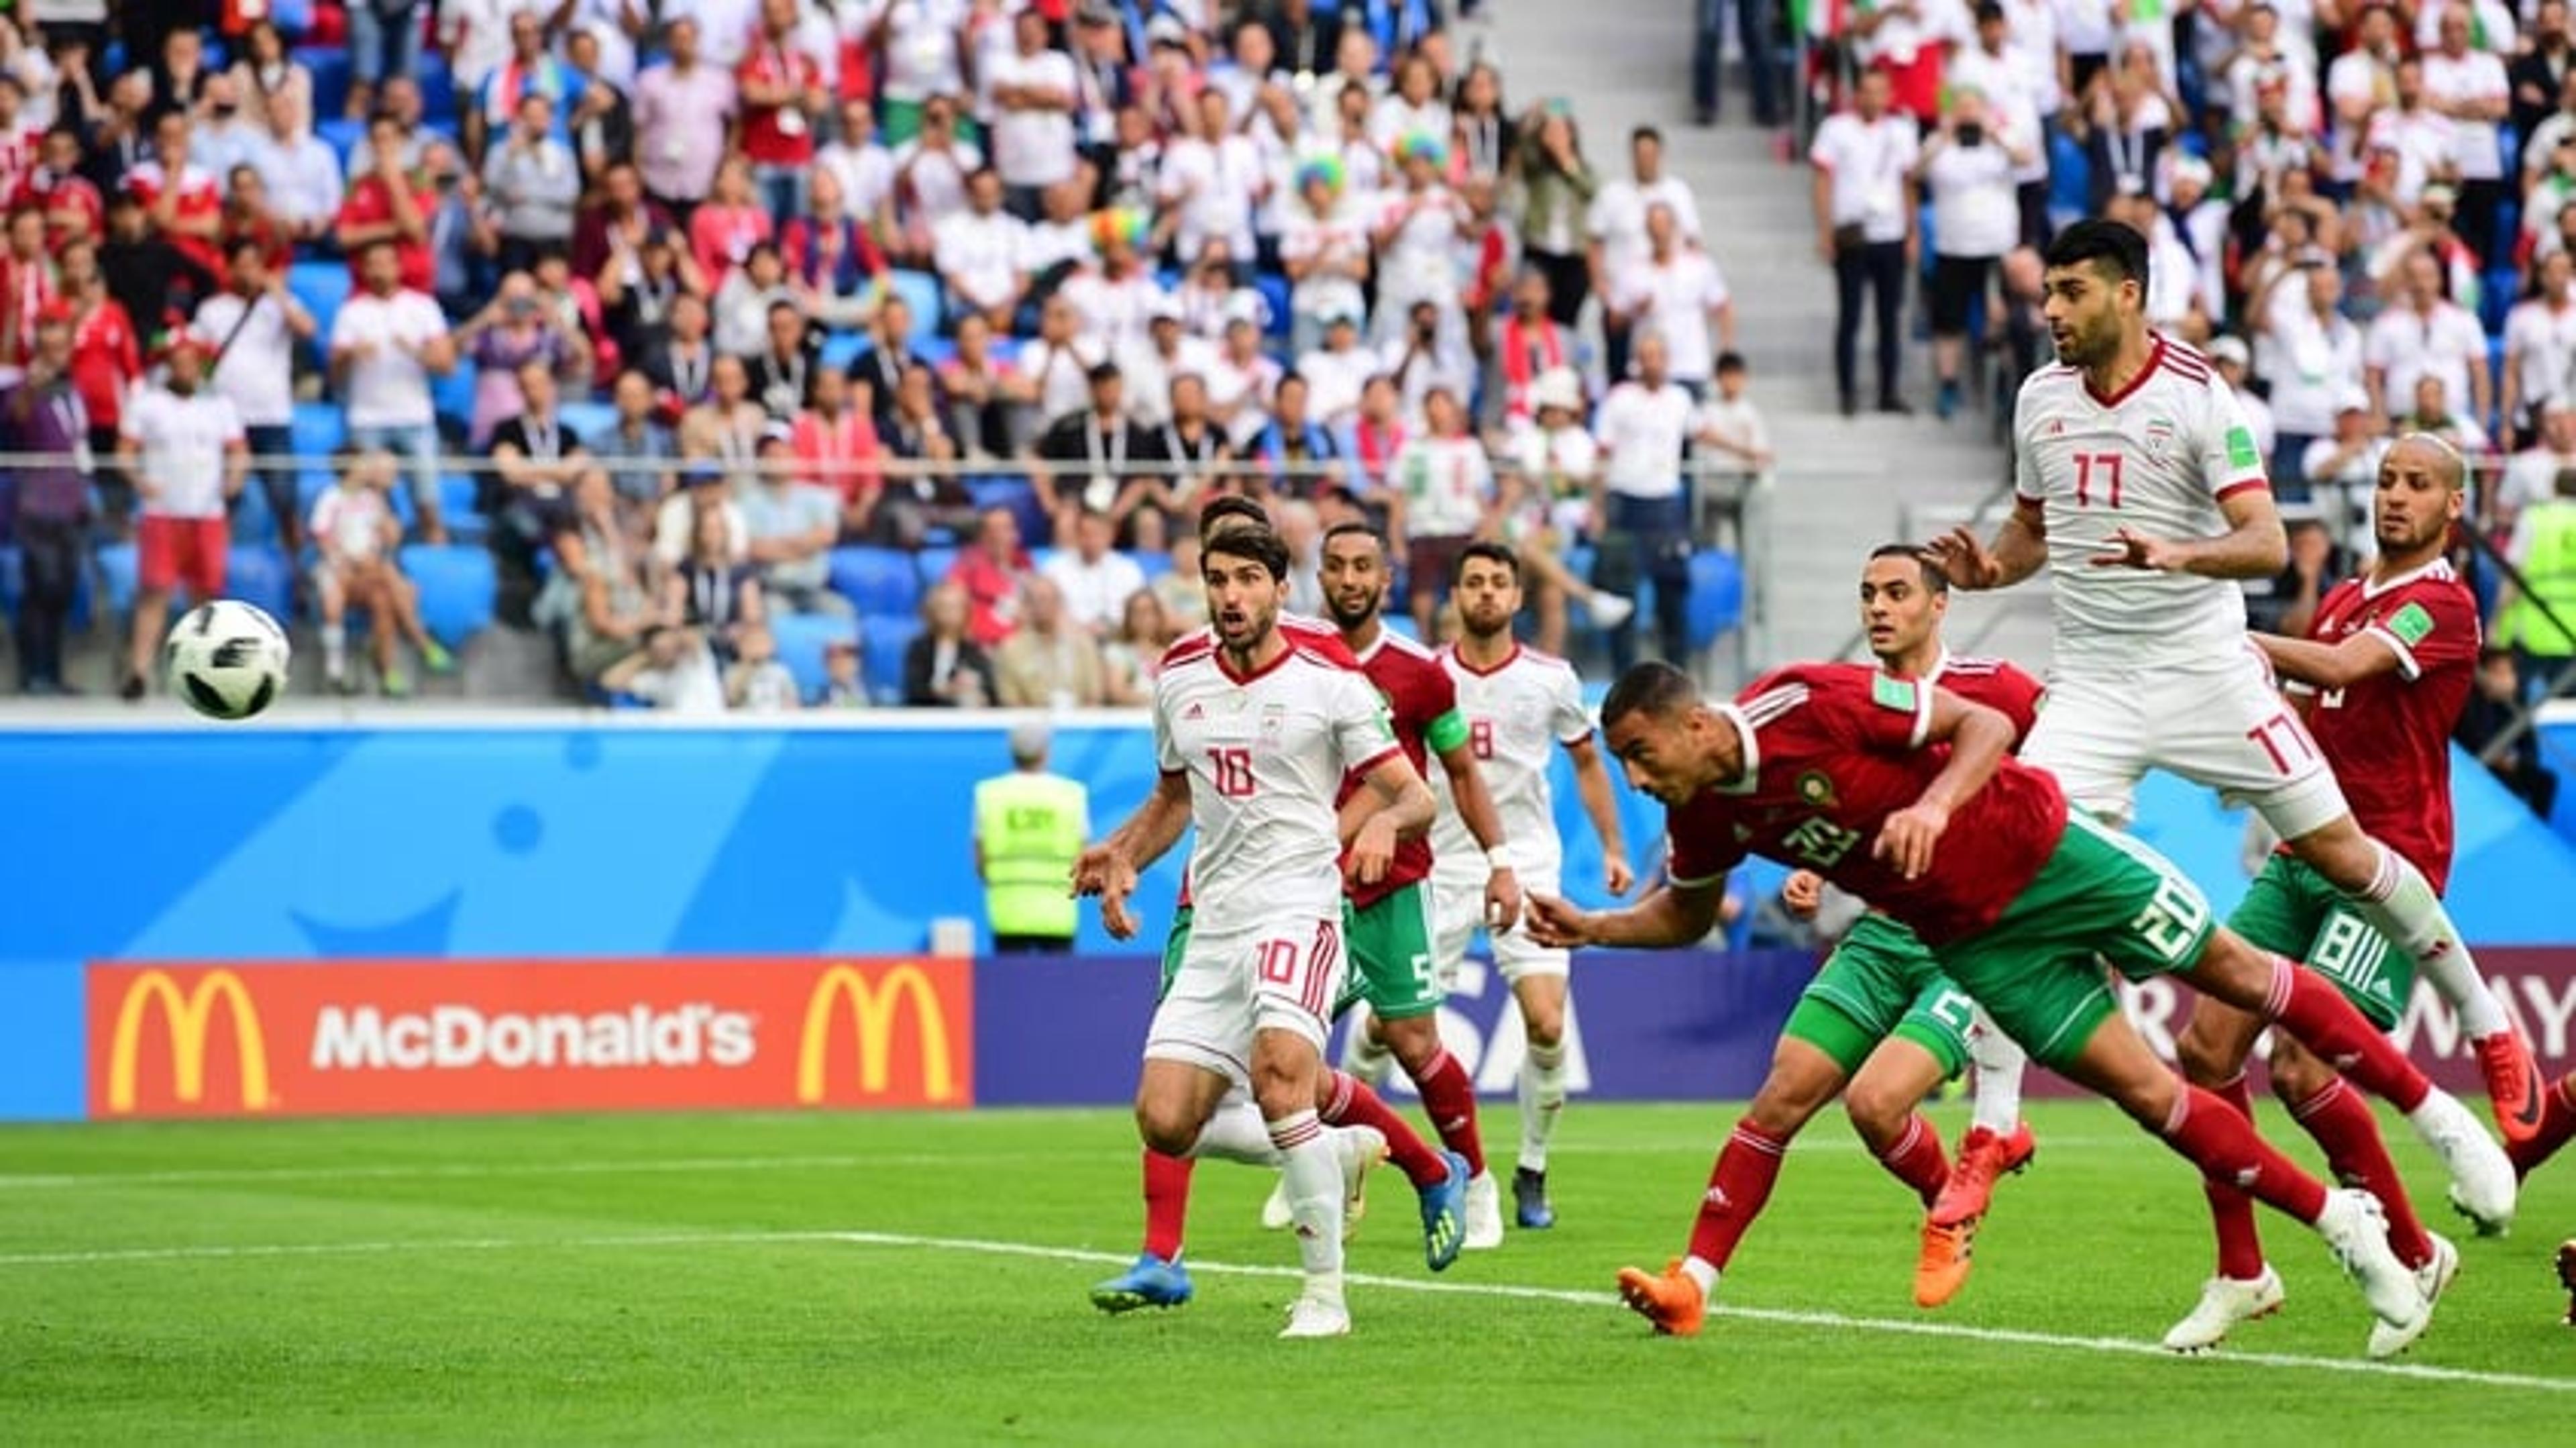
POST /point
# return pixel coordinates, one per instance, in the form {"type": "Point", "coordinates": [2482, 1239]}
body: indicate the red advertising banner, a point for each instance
{"type": "Point", "coordinates": [435, 1038]}
{"type": "Point", "coordinates": [2536, 985]}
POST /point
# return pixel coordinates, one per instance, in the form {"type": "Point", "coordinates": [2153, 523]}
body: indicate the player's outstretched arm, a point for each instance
{"type": "Point", "coordinates": [1405, 806]}
{"type": "Point", "coordinates": [1142, 838]}
{"type": "Point", "coordinates": [2020, 549]}
{"type": "Point", "coordinates": [1670, 915]}
{"type": "Point", "coordinates": [1592, 782]}
{"type": "Point", "coordinates": [2328, 666]}
{"type": "Point", "coordinates": [1476, 810]}
{"type": "Point", "coordinates": [1979, 738]}
{"type": "Point", "coordinates": [2255, 544]}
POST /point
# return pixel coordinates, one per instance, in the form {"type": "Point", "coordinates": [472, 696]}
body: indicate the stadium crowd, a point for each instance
{"type": "Point", "coordinates": [2358, 209]}
{"type": "Point", "coordinates": [828, 351]}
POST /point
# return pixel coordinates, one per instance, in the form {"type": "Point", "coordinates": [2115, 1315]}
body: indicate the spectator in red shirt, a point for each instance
{"type": "Point", "coordinates": [27, 283]}
{"type": "Point", "coordinates": [183, 202]}
{"type": "Point", "coordinates": [836, 448]}
{"type": "Point", "coordinates": [781, 88]}
{"type": "Point", "coordinates": [991, 572]}
{"type": "Point", "coordinates": [247, 218]}
{"type": "Point", "coordinates": [386, 204]}
{"type": "Point", "coordinates": [70, 201]}
{"type": "Point", "coordinates": [613, 228]}
{"type": "Point", "coordinates": [724, 230]}
{"type": "Point", "coordinates": [107, 355]}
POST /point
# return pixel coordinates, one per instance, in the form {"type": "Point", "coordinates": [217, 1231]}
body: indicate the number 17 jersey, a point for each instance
{"type": "Point", "coordinates": [2157, 458]}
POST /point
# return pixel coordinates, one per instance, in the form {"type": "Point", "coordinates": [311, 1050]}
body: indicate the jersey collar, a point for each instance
{"type": "Point", "coordinates": [2372, 588]}
{"type": "Point", "coordinates": [2155, 360]}
{"type": "Point", "coordinates": [1751, 778]}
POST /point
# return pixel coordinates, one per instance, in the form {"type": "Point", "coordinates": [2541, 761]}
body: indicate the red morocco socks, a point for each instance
{"type": "Point", "coordinates": [1737, 1189]}
{"type": "Point", "coordinates": [2223, 1145]}
{"type": "Point", "coordinates": [1167, 1202]}
{"type": "Point", "coordinates": [1451, 1099]}
{"type": "Point", "coordinates": [2304, 1004]}
{"type": "Point", "coordinates": [1351, 1103]}
{"type": "Point", "coordinates": [2231, 1211]}
{"type": "Point", "coordinates": [2342, 1123]}
{"type": "Point", "coordinates": [1918, 1161]}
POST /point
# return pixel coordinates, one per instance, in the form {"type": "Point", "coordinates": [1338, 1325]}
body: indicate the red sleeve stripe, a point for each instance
{"type": "Point", "coordinates": [2232, 489]}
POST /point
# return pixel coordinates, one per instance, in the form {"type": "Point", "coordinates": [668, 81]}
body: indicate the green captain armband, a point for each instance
{"type": "Point", "coordinates": [1446, 732]}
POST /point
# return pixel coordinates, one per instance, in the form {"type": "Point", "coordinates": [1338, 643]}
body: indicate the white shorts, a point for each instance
{"type": "Point", "coordinates": [1458, 910]}
{"type": "Point", "coordinates": [1232, 985]}
{"type": "Point", "coordinates": [2223, 727]}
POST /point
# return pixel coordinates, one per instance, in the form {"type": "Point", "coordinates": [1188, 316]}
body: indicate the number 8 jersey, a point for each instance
{"type": "Point", "coordinates": [1265, 755]}
{"type": "Point", "coordinates": [2158, 458]}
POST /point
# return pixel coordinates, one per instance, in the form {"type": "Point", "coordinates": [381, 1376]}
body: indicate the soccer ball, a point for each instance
{"type": "Point", "coordinates": [227, 659]}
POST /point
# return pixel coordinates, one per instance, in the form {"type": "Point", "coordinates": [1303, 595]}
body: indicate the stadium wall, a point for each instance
{"type": "Point", "coordinates": [569, 913]}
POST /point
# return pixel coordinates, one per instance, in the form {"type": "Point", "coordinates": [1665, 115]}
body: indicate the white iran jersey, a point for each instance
{"type": "Point", "coordinates": [1518, 715]}
{"type": "Point", "coordinates": [2157, 458]}
{"type": "Point", "coordinates": [1265, 758]}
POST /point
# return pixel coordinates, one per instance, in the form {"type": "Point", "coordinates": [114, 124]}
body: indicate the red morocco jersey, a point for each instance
{"type": "Point", "coordinates": [1423, 701]}
{"type": "Point", "coordinates": [1998, 685]}
{"type": "Point", "coordinates": [2389, 736]}
{"type": "Point", "coordinates": [1830, 751]}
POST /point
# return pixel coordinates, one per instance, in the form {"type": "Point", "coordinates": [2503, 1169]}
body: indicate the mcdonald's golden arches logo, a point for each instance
{"type": "Point", "coordinates": [871, 1012]}
{"type": "Point", "coordinates": [189, 1017]}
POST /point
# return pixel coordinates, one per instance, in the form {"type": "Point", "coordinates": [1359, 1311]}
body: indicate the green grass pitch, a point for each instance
{"type": "Point", "coordinates": [921, 1278]}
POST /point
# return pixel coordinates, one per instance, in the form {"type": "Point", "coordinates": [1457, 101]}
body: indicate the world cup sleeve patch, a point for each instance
{"type": "Point", "coordinates": [1896, 694]}
{"type": "Point", "coordinates": [2411, 624]}
{"type": "Point", "coordinates": [2240, 447]}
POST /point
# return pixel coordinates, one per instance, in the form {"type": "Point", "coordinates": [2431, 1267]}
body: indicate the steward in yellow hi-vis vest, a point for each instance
{"type": "Point", "coordinates": [1029, 827]}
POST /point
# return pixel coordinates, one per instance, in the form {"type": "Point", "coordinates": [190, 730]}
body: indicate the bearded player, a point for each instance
{"type": "Point", "coordinates": [2140, 489]}
{"type": "Point", "coordinates": [1259, 736]}
{"type": "Point", "coordinates": [1902, 794]}
{"type": "Point", "coordinates": [1158, 1277]}
{"type": "Point", "coordinates": [2384, 671]}
{"type": "Point", "coordinates": [1395, 972]}
{"type": "Point", "coordinates": [1520, 707]}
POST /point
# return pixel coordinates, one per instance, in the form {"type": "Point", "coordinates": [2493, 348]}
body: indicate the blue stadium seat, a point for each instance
{"type": "Point", "coordinates": [456, 506]}
{"type": "Point", "coordinates": [293, 17]}
{"type": "Point", "coordinates": [453, 394]}
{"type": "Point", "coordinates": [317, 430]}
{"type": "Point", "coordinates": [330, 67]}
{"type": "Point", "coordinates": [934, 564]}
{"type": "Point", "coordinates": [342, 135]}
{"type": "Point", "coordinates": [2070, 175]}
{"type": "Point", "coordinates": [1716, 597]}
{"type": "Point", "coordinates": [840, 349]}
{"type": "Point", "coordinates": [321, 286]}
{"type": "Point", "coordinates": [456, 585]}
{"type": "Point", "coordinates": [1017, 494]}
{"type": "Point", "coordinates": [1152, 565]}
{"type": "Point", "coordinates": [116, 565]}
{"type": "Point", "coordinates": [251, 515]}
{"type": "Point", "coordinates": [876, 580]}
{"type": "Point", "coordinates": [801, 639]}
{"type": "Point", "coordinates": [12, 580]}
{"type": "Point", "coordinates": [258, 574]}
{"type": "Point", "coordinates": [589, 421]}
{"type": "Point", "coordinates": [1274, 290]}
{"type": "Point", "coordinates": [437, 84]}
{"type": "Point", "coordinates": [885, 638]}
{"type": "Point", "coordinates": [920, 291]}
{"type": "Point", "coordinates": [1039, 558]}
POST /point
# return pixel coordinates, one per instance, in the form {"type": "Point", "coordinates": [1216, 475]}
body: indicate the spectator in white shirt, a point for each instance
{"type": "Point", "coordinates": [978, 251]}
{"type": "Point", "coordinates": [1336, 372]}
{"type": "Point", "coordinates": [1032, 89]}
{"type": "Point", "coordinates": [1615, 225]}
{"type": "Point", "coordinates": [1554, 469]}
{"type": "Point", "coordinates": [923, 61]}
{"type": "Point", "coordinates": [1417, 238]}
{"type": "Point", "coordinates": [251, 329]}
{"type": "Point", "coordinates": [865, 170]}
{"type": "Point", "coordinates": [182, 444]}
{"type": "Point", "coordinates": [930, 171]}
{"type": "Point", "coordinates": [1425, 360]}
{"type": "Point", "coordinates": [1678, 292]}
{"type": "Point", "coordinates": [1211, 183]}
{"type": "Point", "coordinates": [386, 343]}
{"type": "Point", "coordinates": [2540, 346]}
{"type": "Point", "coordinates": [1412, 107]}
{"type": "Point", "coordinates": [2001, 68]}
{"type": "Point", "coordinates": [2420, 137]}
{"type": "Point", "coordinates": [1325, 252]}
{"type": "Point", "coordinates": [683, 112]}
{"type": "Point", "coordinates": [1051, 376]}
{"type": "Point", "coordinates": [1444, 498]}
{"type": "Point", "coordinates": [2470, 89]}
{"type": "Point", "coordinates": [2426, 334]}
{"type": "Point", "coordinates": [1643, 426]}
{"type": "Point", "coordinates": [1864, 204]}
{"type": "Point", "coordinates": [2312, 355]}
{"type": "Point", "coordinates": [1151, 363]}
{"type": "Point", "coordinates": [2343, 467]}
{"type": "Point", "coordinates": [300, 170]}
{"type": "Point", "coordinates": [1968, 169]}
{"type": "Point", "coordinates": [1094, 577]}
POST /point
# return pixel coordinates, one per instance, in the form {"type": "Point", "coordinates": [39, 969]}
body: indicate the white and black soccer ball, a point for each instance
{"type": "Point", "coordinates": [227, 659]}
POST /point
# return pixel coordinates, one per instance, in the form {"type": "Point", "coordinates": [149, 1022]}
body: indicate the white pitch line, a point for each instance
{"type": "Point", "coordinates": [645, 1166]}
{"type": "Point", "coordinates": [1787, 1317]}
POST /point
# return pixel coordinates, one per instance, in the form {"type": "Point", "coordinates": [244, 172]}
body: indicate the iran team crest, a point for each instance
{"type": "Point", "coordinates": [2159, 437]}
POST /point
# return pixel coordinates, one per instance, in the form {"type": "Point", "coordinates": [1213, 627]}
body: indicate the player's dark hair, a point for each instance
{"type": "Point", "coordinates": [2113, 247]}
{"type": "Point", "coordinates": [1933, 578]}
{"type": "Point", "coordinates": [1252, 541]}
{"type": "Point", "coordinates": [1653, 688]}
{"type": "Point", "coordinates": [1491, 552]}
{"type": "Point", "coordinates": [1230, 505]}
{"type": "Point", "coordinates": [1356, 528]}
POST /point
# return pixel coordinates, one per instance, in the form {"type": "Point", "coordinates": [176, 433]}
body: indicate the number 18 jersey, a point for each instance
{"type": "Point", "coordinates": [2157, 458]}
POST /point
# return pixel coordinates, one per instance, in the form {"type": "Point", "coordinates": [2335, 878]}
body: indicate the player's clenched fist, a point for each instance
{"type": "Point", "coordinates": [1555, 923]}
{"type": "Point", "coordinates": [1803, 893]}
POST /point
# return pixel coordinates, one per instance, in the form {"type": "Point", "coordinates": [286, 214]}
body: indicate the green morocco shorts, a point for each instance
{"type": "Point", "coordinates": [1881, 982]}
{"type": "Point", "coordinates": [2290, 910]}
{"type": "Point", "coordinates": [1390, 948]}
{"type": "Point", "coordinates": [2099, 894]}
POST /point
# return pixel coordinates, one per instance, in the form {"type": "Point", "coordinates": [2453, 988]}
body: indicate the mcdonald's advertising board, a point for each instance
{"type": "Point", "coordinates": [434, 1038]}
